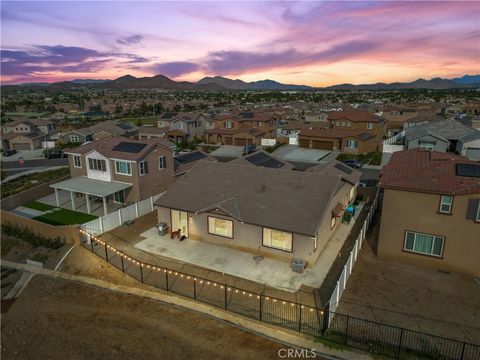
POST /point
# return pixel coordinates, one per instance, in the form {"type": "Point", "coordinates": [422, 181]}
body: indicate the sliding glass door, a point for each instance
{"type": "Point", "coordinates": [179, 221]}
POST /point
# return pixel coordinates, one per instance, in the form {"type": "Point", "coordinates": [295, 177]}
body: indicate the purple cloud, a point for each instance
{"type": "Point", "coordinates": [59, 58]}
{"type": "Point", "coordinates": [129, 40]}
{"type": "Point", "coordinates": [176, 68]}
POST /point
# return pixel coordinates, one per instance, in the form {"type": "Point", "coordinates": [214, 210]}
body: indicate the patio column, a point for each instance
{"type": "Point", "coordinates": [105, 205]}
{"type": "Point", "coordinates": [72, 198]}
{"type": "Point", "coordinates": [87, 198]}
{"type": "Point", "coordinates": [56, 197]}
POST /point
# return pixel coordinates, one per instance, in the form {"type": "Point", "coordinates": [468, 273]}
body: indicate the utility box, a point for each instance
{"type": "Point", "coordinates": [298, 265]}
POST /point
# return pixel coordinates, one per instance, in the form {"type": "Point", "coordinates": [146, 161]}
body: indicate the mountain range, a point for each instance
{"type": "Point", "coordinates": [219, 83]}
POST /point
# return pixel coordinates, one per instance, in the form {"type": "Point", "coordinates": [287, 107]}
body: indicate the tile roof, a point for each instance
{"type": "Point", "coordinates": [334, 167]}
{"type": "Point", "coordinates": [106, 147]}
{"type": "Point", "coordinates": [335, 133]}
{"type": "Point", "coordinates": [429, 172]}
{"type": "Point", "coordinates": [447, 129]}
{"type": "Point", "coordinates": [354, 116]}
{"type": "Point", "coordinates": [286, 200]}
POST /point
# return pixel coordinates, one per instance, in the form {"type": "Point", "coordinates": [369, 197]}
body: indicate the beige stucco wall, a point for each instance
{"type": "Point", "coordinates": [403, 210]}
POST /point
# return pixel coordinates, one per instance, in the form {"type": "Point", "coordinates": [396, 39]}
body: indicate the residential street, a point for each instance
{"type": "Point", "coordinates": [13, 167]}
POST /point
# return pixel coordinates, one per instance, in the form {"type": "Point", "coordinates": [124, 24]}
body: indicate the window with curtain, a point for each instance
{"type": "Point", "coordinates": [277, 239]}
{"type": "Point", "coordinates": [123, 168]}
{"type": "Point", "coordinates": [220, 227]}
{"type": "Point", "coordinates": [424, 243]}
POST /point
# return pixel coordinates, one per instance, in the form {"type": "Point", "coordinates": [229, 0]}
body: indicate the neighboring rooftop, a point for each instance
{"type": "Point", "coordinates": [354, 116]}
{"type": "Point", "coordinates": [447, 129]}
{"type": "Point", "coordinates": [280, 199]}
{"type": "Point", "coordinates": [184, 162]}
{"type": "Point", "coordinates": [264, 159]}
{"type": "Point", "coordinates": [430, 172]}
{"type": "Point", "coordinates": [121, 148]}
{"type": "Point", "coordinates": [335, 133]}
{"type": "Point", "coordinates": [335, 167]}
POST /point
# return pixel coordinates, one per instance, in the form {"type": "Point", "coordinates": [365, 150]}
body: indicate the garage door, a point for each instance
{"type": "Point", "coordinates": [21, 146]}
{"type": "Point", "coordinates": [304, 143]}
{"type": "Point", "coordinates": [228, 140]}
{"type": "Point", "coordinates": [240, 142]}
{"type": "Point", "coordinates": [324, 145]}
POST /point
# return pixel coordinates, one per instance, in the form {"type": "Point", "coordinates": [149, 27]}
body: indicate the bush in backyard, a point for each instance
{"type": "Point", "coordinates": [24, 233]}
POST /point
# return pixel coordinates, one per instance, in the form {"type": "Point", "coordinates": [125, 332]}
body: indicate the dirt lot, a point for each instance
{"type": "Point", "coordinates": [57, 319]}
{"type": "Point", "coordinates": [412, 297]}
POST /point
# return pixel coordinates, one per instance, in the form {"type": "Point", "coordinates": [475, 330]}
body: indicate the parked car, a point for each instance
{"type": "Point", "coordinates": [56, 154]}
{"type": "Point", "coordinates": [368, 183]}
{"type": "Point", "coordinates": [250, 148]}
{"type": "Point", "coordinates": [9, 152]}
{"type": "Point", "coordinates": [353, 164]}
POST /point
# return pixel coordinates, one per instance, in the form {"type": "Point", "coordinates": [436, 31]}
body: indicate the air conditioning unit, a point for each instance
{"type": "Point", "coordinates": [298, 265]}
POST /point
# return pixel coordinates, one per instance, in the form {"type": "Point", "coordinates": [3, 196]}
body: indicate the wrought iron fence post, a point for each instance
{"type": "Point", "coordinates": [261, 307]}
{"type": "Point", "coordinates": [194, 290]}
{"type": "Point", "coordinates": [400, 344]}
{"type": "Point", "coordinates": [300, 318]}
{"type": "Point", "coordinates": [326, 318]}
{"type": "Point", "coordinates": [166, 277]}
{"type": "Point", "coordinates": [225, 297]}
{"type": "Point", "coordinates": [463, 351]}
{"type": "Point", "coordinates": [91, 241]}
{"type": "Point", "coordinates": [106, 253]}
{"type": "Point", "coordinates": [141, 272]}
{"type": "Point", "coordinates": [346, 331]}
{"type": "Point", "coordinates": [123, 266]}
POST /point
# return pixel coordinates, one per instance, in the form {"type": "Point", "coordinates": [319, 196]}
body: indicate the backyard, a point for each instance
{"type": "Point", "coordinates": [57, 216]}
{"type": "Point", "coordinates": [26, 182]}
{"type": "Point", "coordinates": [372, 158]}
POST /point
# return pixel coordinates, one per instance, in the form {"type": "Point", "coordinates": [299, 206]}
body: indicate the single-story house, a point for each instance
{"type": "Point", "coordinates": [271, 212]}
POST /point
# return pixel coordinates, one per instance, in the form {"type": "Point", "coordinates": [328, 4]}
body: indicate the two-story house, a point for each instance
{"type": "Point", "coordinates": [99, 131]}
{"type": "Point", "coordinates": [241, 128]}
{"type": "Point", "coordinates": [431, 211]}
{"type": "Point", "coordinates": [27, 134]}
{"type": "Point", "coordinates": [117, 170]}
{"type": "Point", "coordinates": [183, 126]}
{"type": "Point", "coordinates": [358, 120]}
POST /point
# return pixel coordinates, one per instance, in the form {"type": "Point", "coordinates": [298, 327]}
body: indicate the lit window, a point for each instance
{"type": "Point", "coordinates": [349, 124]}
{"type": "Point", "coordinates": [351, 144]}
{"type": "Point", "coordinates": [423, 243]}
{"type": "Point", "coordinates": [277, 239]}
{"type": "Point", "coordinates": [446, 204]}
{"type": "Point", "coordinates": [77, 161]}
{"type": "Point", "coordinates": [220, 227]}
{"type": "Point", "coordinates": [228, 124]}
{"type": "Point", "coordinates": [427, 146]}
{"type": "Point", "coordinates": [123, 168]}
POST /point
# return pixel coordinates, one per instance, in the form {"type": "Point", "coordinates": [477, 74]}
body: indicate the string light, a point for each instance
{"type": "Point", "coordinates": [108, 246]}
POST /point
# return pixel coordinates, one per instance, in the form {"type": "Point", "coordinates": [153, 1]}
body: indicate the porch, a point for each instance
{"type": "Point", "coordinates": [89, 196]}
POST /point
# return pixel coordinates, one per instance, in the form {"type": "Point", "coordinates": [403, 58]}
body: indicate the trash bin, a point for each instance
{"type": "Point", "coordinates": [162, 228]}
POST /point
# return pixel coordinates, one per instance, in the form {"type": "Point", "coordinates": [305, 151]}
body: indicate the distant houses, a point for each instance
{"type": "Point", "coordinates": [27, 134]}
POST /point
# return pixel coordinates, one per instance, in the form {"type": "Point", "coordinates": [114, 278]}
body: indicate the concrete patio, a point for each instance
{"type": "Point", "coordinates": [80, 203]}
{"type": "Point", "coordinates": [271, 272]}
{"type": "Point", "coordinates": [297, 154]}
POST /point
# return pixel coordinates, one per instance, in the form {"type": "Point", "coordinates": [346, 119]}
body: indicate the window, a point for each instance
{"type": "Point", "coordinates": [162, 162]}
{"type": "Point", "coordinates": [427, 146]}
{"type": "Point", "coordinates": [143, 167]}
{"type": "Point", "coordinates": [351, 144]}
{"type": "Point", "coordinates": [333, 221]}
{"type": "Point", "coordinates": [97, 164]}
{"type": "Point", "coordinates": [77, 162]}
{"type": "Point", "coordinates": [352, 193]}
{"type": "Point", "coordinates": [220, 227]}
{"type": "Point", "coordinates": [349, 124]}
{"type": "Point", "coordinates": [73, 138]}
{"type": "Point", "coordinates": [228, 125]}
{"type": "Point", "coordinates": [123, 168]}
{"type": "Point", "coordinates": [119, 197]}
{"type": "Point", "coordinates": [277, 239]}
{"type": "Point", "coordinates": [343, 123]}
{"type": "Point", "coordinates": [338, 123]}
{"type": "Point", "coordinates": [446, 204]}
{"type": "Point", "coordinates": [369, 126]}
{"type": "Point", "coordinates": [424, 243]}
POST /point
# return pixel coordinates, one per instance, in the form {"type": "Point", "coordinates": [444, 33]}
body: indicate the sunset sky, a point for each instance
{"type": "Point", "coordinates": [315, 43]}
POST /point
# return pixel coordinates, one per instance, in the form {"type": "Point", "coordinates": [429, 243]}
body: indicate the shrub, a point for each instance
{"type": "Point", "coordinates": [24, 233]}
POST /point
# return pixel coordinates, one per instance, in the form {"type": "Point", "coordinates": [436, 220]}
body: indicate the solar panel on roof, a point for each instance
{"type": "Point", "coordinates": [247, 115]}
{"type": "Point", "coordinates": [470, 170]}
{"type": "Point", "coordinates": [129, 147]}
{"type": "Point", "coordinates": [124, 126]}
{"type": "Point", "coordinates": [262, 159]}
{"type": "Point", "coordinates": [344, 168]}
{"type": "Point", "coordinates": [169, 115]}
{"type": "Point", "coordinates": [189, 157]}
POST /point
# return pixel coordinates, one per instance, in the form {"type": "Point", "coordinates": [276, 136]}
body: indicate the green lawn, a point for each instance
{"type": "Point", "coordinates": [38, 206]}
{"type": "Point", "coordinates": [65, 217]}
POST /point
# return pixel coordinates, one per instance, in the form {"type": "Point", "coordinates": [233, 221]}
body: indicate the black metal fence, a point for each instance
{"type": "Point", "coordinates": [327, 327]}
